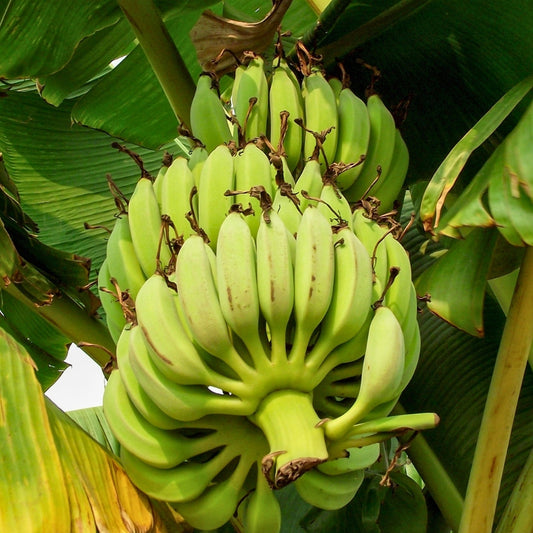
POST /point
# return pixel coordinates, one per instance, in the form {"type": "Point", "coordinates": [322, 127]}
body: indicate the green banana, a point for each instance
{"type": "Point", "coordinates": [176, 190]}
{"type": "Point", "coordinates": [329, 492]}
{"type": "Point", "coordinates": [121, 259]}
{"type": "Point", "coordinates": [115, 319]}
{"type": "Point", "coordinates": [356, 459]}
{"type": "Point", "coordinates": [218, 502]}
{"type": "Point", "coordinates": [314, 269]}
{"type": "Point", "coordinates": [251, 83]}
{"type": "Point", "coordinates": [389, 185]}
{"type": "Point", "coordinates": [354, 136]}
{"type": "Point", "coordinates": [337, 86]}
{"type": "Point", "coordinates": [197, 158]}
{"type": "Point", "coordinates": [288, 211]}
{"type": "Point", "coordinates": [285, 96]}
{"type": "Point", "coordinates": [382, 372]}
{"type": "Point", "coordinates": [217, 177]}
{"type": "Point", "coordinates": [351, 297]}
{"type": "Point", "coordinates": [154, 446]}
{"type": "Point", "coordinates": [237, 285]}
{"type": "Point", "coordinates": [209, 120]}
{"type": "Point", "coordinates": [184, 482]}
{"type": "Point", "coordinates": [262, 512]}
{"type": "Point", "coordinates": [310, 181]}
{"type": "Point", "coordinates": [157, 183]}
{"type": "Point", "coordinates": [321, 115]}
{"type": "Point", "coordinates": [168, 341]}
{"type": "Point", "coordinates": [275, 280]}
{"type": "Point", "coordinates": [200, 302]}
{"type": "Point", "coordinates": [145, 222]}
{"type": "Point", "coordinates": [142, 402]}
{"type": "Point", "coordinates": [380, 149]}
{"type": "Point", "coordinates": [334, 205]}
{"type": "Point", "coordinates": [183, 402]}
{"type": "Point", "coordinates": [252, 169]}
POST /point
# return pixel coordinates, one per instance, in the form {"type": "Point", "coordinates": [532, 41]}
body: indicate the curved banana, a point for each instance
{"type": "Point", "coordinates": [354, 136]}
{"type": "Point", "coordinates": [183, 402]}
{"type": "Point", "coordinates": [158, 182]}
{"type": "Point", "coordinates": [310, 181]}
{"type": "Point", "coordinates": [209, 120]}
{"type": "Point", "coordinates": [154, 446]}
{"type": "Point", "coordinates": [182, 483]}
{"type": "Point", "coordinates": [122, 260]}
{"type": "Point", "coordinates": [329, 492]}
{"type": "Point", "coordinates": [251, 83]}
{"type": "Point", "coordinates": [142, 401]}
{"type": "Point", "coordinates": [176, 195]}
{"type": "Point", "coordinates": [218, 176]}
{"type": "Point", "coordinates": [218, 502]}
{"type": "Point", "coordinates": [321, 115]}
{"type": "Point", "coordinates": [197, 158]}
{"type": "Point", "coordinates": [356, 459]}
{"type": "Point", "coordinates": [285, 96]}
{"type": "Point", "coordinates": [252, 169]}
{"type": "Point", "coordinates": [351, 298]}
{"type": "Point", "coordinates": [380, 149]}
{"type": "Point", "coordinates": [389, 186]}
{"type": "Point", "coordinates": [145, 222]}
{"type": "Point", "coordinates": [288, 211]}
{"type": "Point", "coordinates": [382, 372]}
{"type": "Point", "coordinates": [262, 513]}
{"type": "Point", "coordinates": [169, 343]}
{"type": "Point", "coordinates": [334, 206]}
{"type": "Point", "coordinates": [201, 306]}
{"type": "Point", "coordinates": [314, 271]}
{"type": "Point", "coordinates": [115, 319]}
{"type": "Point", "coordinates": [237, 285]}
{"type": "Point", "coordinates": [275, 280]}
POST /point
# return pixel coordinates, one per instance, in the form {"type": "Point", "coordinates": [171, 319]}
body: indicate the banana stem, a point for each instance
{"type": "Point", "coordinates": [518, 514]}
{"type": "Point", "coordinates": [289, 422]}
{"type": "Point", "coordinates": [73, 322]}
{"type": "Point", "coordinates": [496, 425]}
{"type": "Point", "coordinates": [162, 55]}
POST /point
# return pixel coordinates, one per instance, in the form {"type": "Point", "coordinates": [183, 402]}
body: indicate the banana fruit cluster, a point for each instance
{"type": "Point", "coordinates": [266, 323]}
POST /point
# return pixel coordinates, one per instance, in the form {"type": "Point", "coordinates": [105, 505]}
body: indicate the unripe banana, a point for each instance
{"type": "Point", "coordinates": [314, 270]}
{"type": "Point", "coordinates": [329, 492]}
{"type": "Point", "coordinates": [372, 235]}
{"type": "Point", "coordinates": [218, 502]}
{"type": "Point", "coordinates": [310, 181]}
{"type": "Point", "coordinates": [334, 206]}
{"type": "Point", "coordinates": [199, 298]}
{"type": "Point", "coordinates": [288, 211]}
{"type": "Point", "coordinates": [252, 168]}
{"type": "Point", "coordinates": [122, 260]}
{"type": "Point", "coordinates": [389, 186]}
{"type": "Point", "coordinates": [142, 402]}
{"type": "Point", "coordinates": [209, 121]}
{"type": "Point", "coordinates": [158, 182]}
{"type": "Point", "coordinates": [275, 280]}
{"type": "Point", "coordinates": [351, 298]}
{"type": "Point", "coordinates": [320, 115]}
{"type": "Point", "coordinates": [176, 195]}
{"type": "Point", "coordinates": [336, 85]}
{"type": "Point", "coordinates": [237, 284]}
{"type": "Point", "coordinates": [251, 83]}
{"type": "Point", "coordinates": [185, 403]}
{"type": "Point", "coordinates": [382, 372]}
{"type": "Point", "coordinates": [218, 176]}
{"type": "Point", "coordinates": [115, 319]}
{"type": "Point", "coordinates": [197, 159]}
{"type": "Point", "coordinates": [281, 173]}
{"type": "Point", "coordinates": [262, 513]}
{"type": "Point", "coordinates": [184, 482]}
{"type": "Point", "coordinates": [170, 346]}
{"type": "Point", "coordinates": [380, 148]}
{"type": "Point", "coordinates": [354, 135]}
{"type": "Point", "coordinates": [357, 459]}
{"type": "Point", "coordinates": [145, 222]}
{"type": "Point", "coordinates": [285, 96]}
{"type": "Point", "coordinates": [154, 446]}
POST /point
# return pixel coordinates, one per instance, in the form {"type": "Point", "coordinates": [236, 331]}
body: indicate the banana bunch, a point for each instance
{"type": "Point", "coordinates": [265, 324]}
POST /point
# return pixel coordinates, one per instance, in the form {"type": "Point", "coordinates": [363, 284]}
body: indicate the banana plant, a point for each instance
{"type": "Point", "coordinates": [92, 98]}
